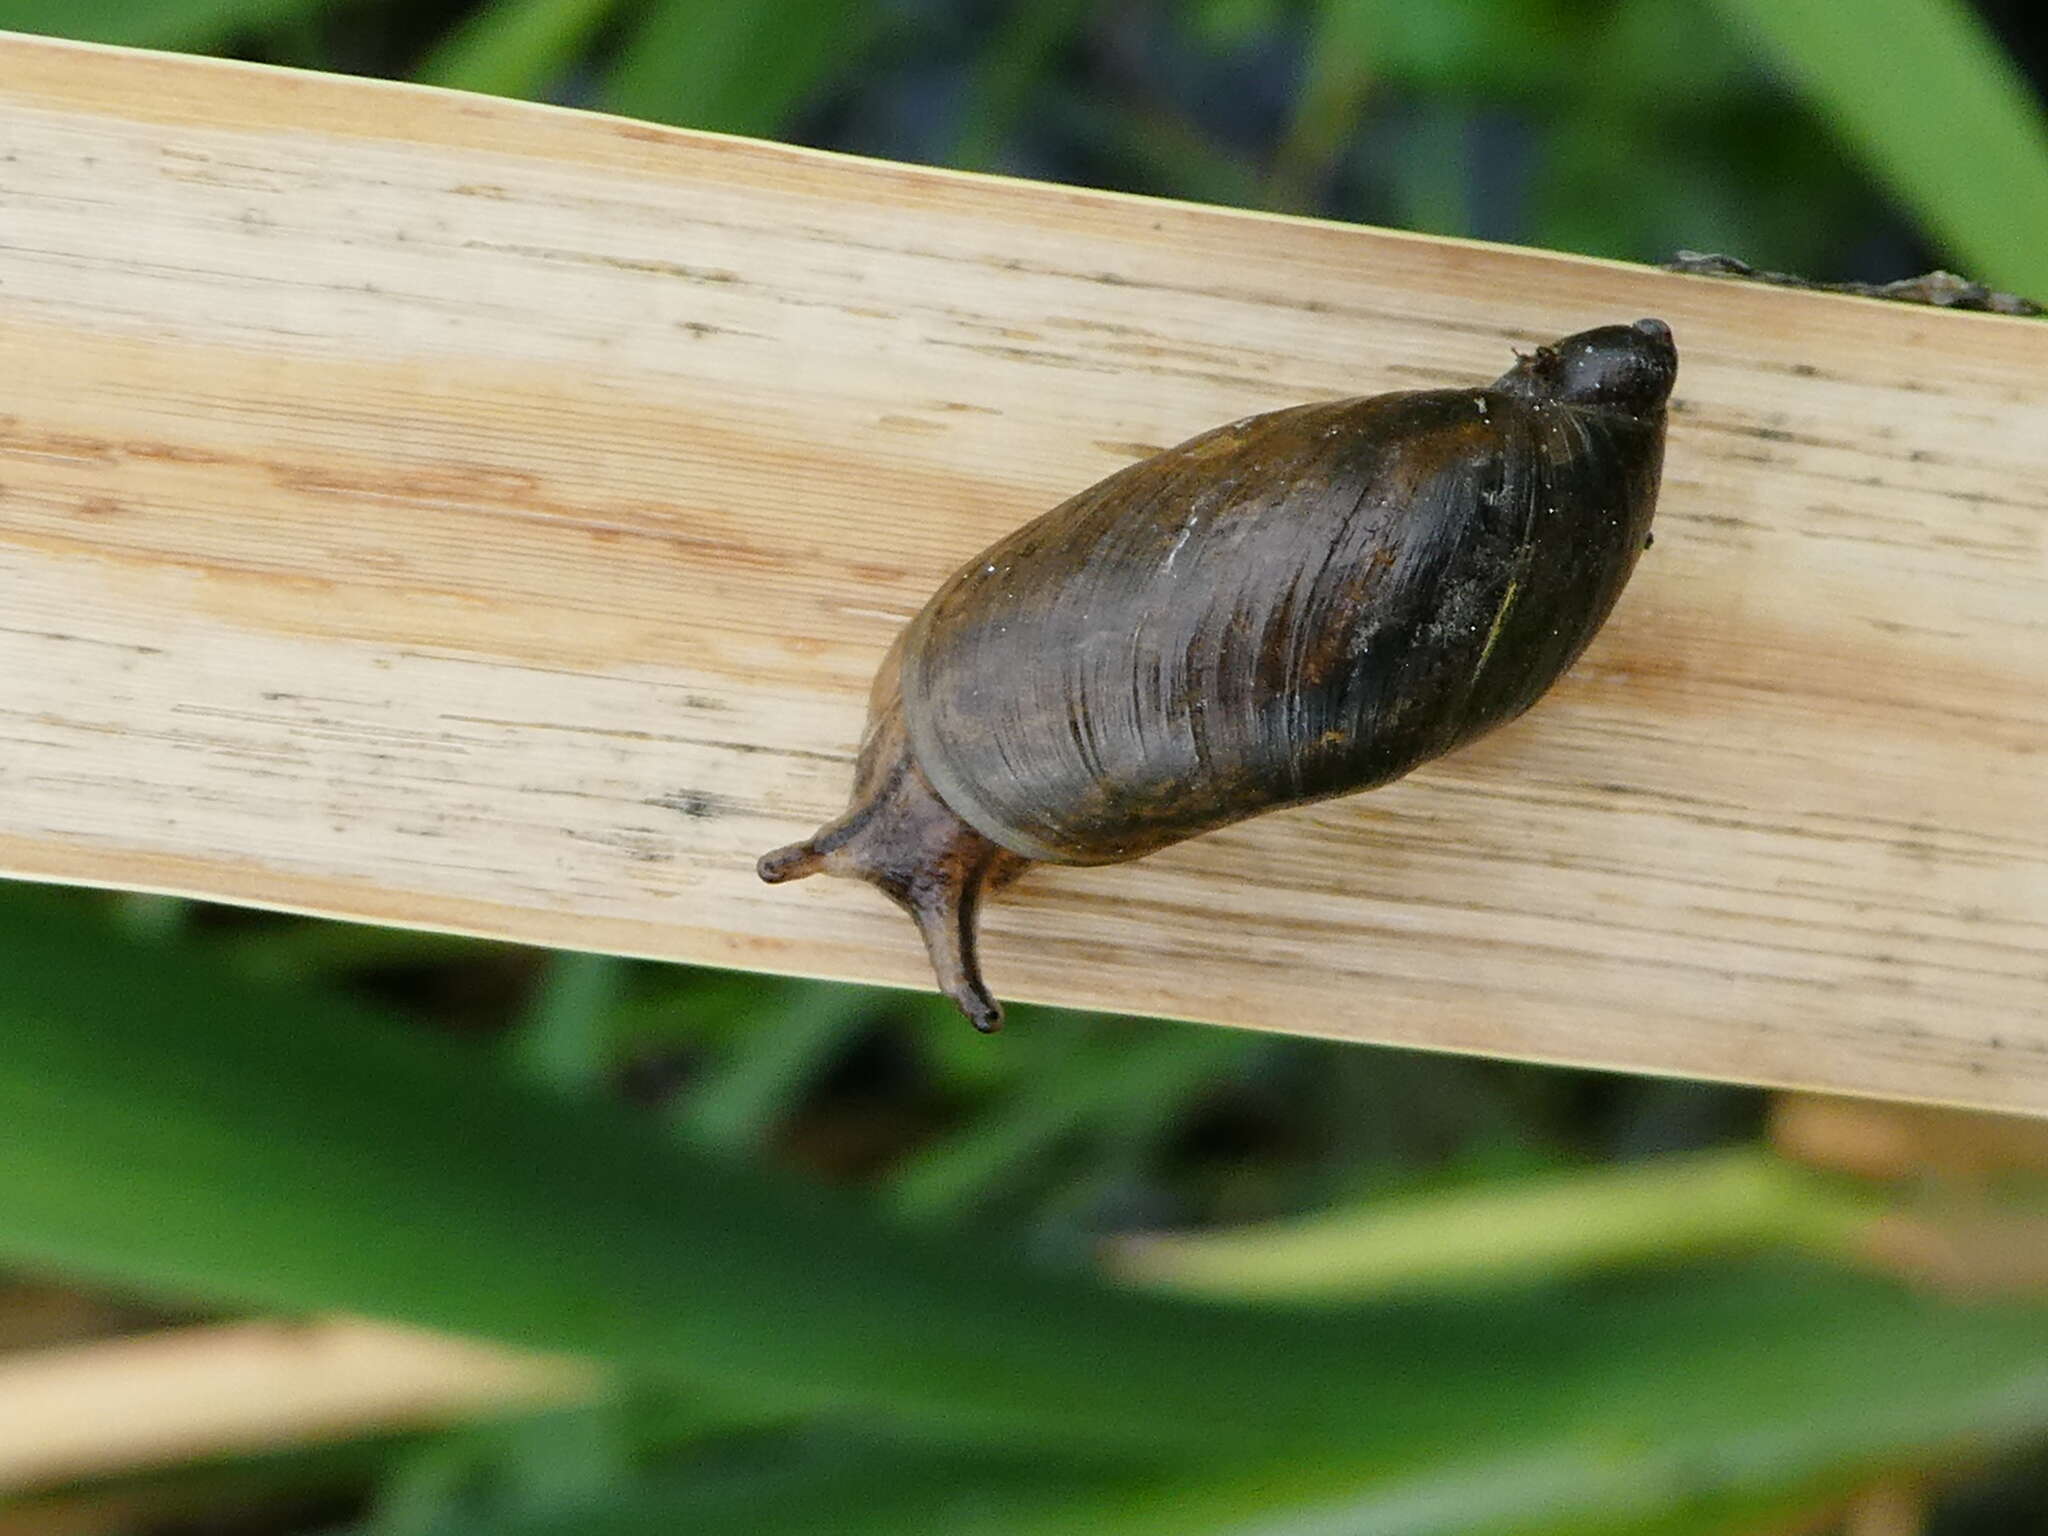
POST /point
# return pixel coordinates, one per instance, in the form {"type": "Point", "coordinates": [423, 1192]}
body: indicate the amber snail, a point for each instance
{"type": "Point", "coordinates": [1298, 605]}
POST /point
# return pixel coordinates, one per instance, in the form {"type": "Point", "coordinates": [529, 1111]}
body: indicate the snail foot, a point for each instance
{"type": "Point", "coordinates": [901, 838]}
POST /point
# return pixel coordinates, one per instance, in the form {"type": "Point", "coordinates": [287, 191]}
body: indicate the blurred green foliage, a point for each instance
{"type": "Point", "coordinates": [1626, 128]}
{"type": "Point", "coordinates": [788, 1360]}
{"type": "Point", "coordinates": [838, 1249]}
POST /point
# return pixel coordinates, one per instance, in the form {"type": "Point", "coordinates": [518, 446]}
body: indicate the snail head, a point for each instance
{"type": "Point", "coordinates": [1619, 367]}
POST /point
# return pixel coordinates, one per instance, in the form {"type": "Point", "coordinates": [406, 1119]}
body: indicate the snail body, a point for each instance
{"type": "Point", "coordinates": [1299, 605]}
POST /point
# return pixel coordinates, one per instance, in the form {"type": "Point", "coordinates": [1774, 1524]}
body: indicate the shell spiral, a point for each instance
{"type": "Point", "coordinates": [1298, 605]}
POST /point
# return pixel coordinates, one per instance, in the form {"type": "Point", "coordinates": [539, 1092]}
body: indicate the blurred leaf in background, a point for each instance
{"type": "Point", "coordinates": [1774, 129]}
{"type": "Point", "coordinates": [1922, 91]}
{"type": "Point", "coordinates": [782, 1354]}
{"type": "Point", "coordinates": [736, 68]}
{"type": "Point", "coordinates": [192, 25]}
{"type": "Point", "coordinates": [515, 47]}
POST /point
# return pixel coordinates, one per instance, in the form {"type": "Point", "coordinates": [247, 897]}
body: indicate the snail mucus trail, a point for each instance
{"type": "Point", "coordinates": [1298, 605]}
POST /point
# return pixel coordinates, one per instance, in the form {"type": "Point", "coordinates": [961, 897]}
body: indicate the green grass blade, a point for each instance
{"type": "Point", "coordinates": [170, 1126]}
{"type": "Point", "coordinates": [565, 1040]}
{"type": "Point", "coordinates": [541, 1463]}
{"type": "Point", "coordinates": [736, 1104]}
{"type": "Point", "coordinates": [151, 23]}
{"type": "Point", "coordinates": [847, 1490]}
{"type": "Point", "coordinates": [1337, 79]}
{"type": "Point", "coordinates": [1581, 1471]}
{"type": "Point", "coordinates": [147, 916]}
{"type": "Point", "coordinates": [1116, 1078]}
{"type": "Point", "coordinates": [737, 66]}
{"type": "Point", "coordinates": [1516, 1232]}
{"type": "Point", "coordinates": [167, 1125]}
{"type": "Point", "coordinates": [1158, 151]}
{"type": "Point", "coordinates": [1016, 60]}
{"type": "Point", "coordinates": [515, 47]}
{"type": "Point", "coordinates": [1921, 92]}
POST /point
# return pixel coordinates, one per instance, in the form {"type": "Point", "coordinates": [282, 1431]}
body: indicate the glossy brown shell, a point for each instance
{"type": "Point", "coordinates": [1294, 606]}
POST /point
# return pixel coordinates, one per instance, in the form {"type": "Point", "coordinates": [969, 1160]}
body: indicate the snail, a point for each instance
{"type": "Point", "coordinates": [1295, 606]}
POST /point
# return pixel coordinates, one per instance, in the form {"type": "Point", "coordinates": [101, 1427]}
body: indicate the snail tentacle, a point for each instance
{"type": "Point", "coordinates": [793, 862]}
{"type": "Point", "coordinates": [946, 913]}
{"type": "Point", "coordinates": [901, 838]}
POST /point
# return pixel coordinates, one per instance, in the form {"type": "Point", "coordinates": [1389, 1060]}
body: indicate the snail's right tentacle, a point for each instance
{"type": "Point", "coordinates": [790, 863]}
{"type": "Point", "coordinates": [945, 912]}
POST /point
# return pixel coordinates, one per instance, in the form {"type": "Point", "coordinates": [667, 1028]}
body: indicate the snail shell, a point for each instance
{"type": "Point", "coordinates": [1298, 605]}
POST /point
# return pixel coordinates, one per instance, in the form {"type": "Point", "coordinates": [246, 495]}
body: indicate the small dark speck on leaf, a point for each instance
{"type": "Point", "coordinates": [695, 804]}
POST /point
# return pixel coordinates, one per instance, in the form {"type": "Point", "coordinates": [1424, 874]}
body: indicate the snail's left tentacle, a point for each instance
{"type": "Point", "coordinates": [790, 863]}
